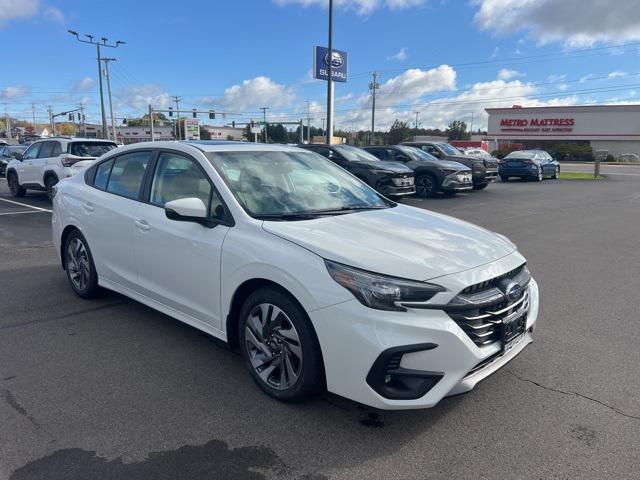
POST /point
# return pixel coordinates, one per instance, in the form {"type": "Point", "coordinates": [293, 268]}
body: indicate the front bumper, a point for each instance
{"type": "Point", "coordinates": [457, 182]}
{"type": "Point", "coordinates": [492, 175]}
{"type": "Point", "coordinates": [393, 191]}
{"type": "Point", "coordinates": [353, 337]}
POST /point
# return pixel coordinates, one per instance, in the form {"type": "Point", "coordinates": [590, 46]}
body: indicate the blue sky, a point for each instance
{"type": "Point", "coordinates": [445, 59]}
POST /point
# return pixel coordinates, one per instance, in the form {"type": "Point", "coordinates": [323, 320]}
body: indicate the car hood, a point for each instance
{"type": "Point", "coordinates": [450, 164]}
{"type": "Point", "coordinates": [389, 166]}
{"type": "Point", "coordinates": [402, 241]}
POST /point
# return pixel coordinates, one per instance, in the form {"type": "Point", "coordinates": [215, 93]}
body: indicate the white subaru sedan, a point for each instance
{"type": "Point", "coordinates": [320, 281]}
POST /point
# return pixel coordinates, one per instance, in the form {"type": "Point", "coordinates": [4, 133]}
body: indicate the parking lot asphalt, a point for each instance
{"type": "Point", "coordinates": [112, 389]}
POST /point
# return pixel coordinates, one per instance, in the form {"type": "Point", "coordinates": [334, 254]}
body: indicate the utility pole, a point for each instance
{"type": "Point", "coordinates": [84, 128]}
{"type": "Point", "coordinates": [471, 129]}
{"type": "Point", "coordinates": [151, 129]}
{"type": "Point", "coordinates": [323, 127]}
{"type": "Point", "coordinates": [177, 100]}
{"type": "Point", "coordinates": [104, 40]}
{"type": "Point", "coordinates": [373, 86]}
{"type": "Point", "coordinates": [330, 79]}
{"type": "Point", "coordinates": [308, 123]}
{"type": "Point", "coordinates": [33, 114]}
{"type": "Point", "coordinates": [266, 126]}
{"type": "Point", "coordinates": [106, 73]}
{"type": "Point", "coordinates": [7, 123]}
{"type": "Point", "coordinates": [52, 123]}
{"type": "Point", "coordinates": [417, 113]}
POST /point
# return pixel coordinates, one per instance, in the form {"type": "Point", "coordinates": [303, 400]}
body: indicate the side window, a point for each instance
{"type": "Point", "coordinates": [32, 151]}
{"type": "Point", "coordinates": [102, 175]}
{"type": "Point", "coordinates": [325, 152]}
{"type": "Point", "coordinates": [127, 174]}
{"type": "Point", "coordinates": [377, 152]}
{"type": "Point", "coordinates": [177, 176]}
{"type": "Point", "coordinates": [56, 149]}
{"type": "Point", "coordinates": [45, 150]}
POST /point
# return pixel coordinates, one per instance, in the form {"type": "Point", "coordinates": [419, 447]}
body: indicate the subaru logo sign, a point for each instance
{"type": "Point", "coordinates": [336, 59]}
{"type": "Point", "coordinates": [337, 62]}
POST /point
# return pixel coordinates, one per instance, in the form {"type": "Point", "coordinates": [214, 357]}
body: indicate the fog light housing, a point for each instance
{"type": "Point", "coordinates": [393, 382]}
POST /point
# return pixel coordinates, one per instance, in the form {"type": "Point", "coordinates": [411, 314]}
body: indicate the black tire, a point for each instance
{"type": "Point", "coordinates": [14, 185]}
{"type": "Point", "coordinates": [539, 177]}
{"type": "Point", "coordinates": [480, 186]}
{"type": "Point", "coordinates": [78, 263]}
{"type": "Point", "coordinates": [556, 175]}
{"type": "Point", "coordinates": [426, 186]}
{"type": "Point", "coordinates": [504, 178]}
{"type": "Point", "coordinates": [49, 183]}
{"type": "Point", "coordinates": [304, 372]}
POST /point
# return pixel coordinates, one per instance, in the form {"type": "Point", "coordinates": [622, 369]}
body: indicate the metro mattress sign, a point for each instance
{"type": "Point", "coordinates": [339, 61]}
{"type": "Point", "coordinates": [537, 122]}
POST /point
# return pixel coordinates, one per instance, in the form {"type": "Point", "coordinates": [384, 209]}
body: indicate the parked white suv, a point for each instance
{"type": "Point", "coordinates": [317, 278]}
{"type": "Point", "coordinates": [46, 162]}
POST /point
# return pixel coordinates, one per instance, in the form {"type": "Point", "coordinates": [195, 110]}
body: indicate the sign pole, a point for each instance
{"type": "Point", "coordinates": [329, 79]}
{"type": "Point", "coordinates": [153, 137]}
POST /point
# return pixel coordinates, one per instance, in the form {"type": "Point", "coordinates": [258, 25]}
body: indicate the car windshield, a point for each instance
{"type": "Point", "coordinates": [449, 149]}
{"type": "Point", "coordinates": [355, 154]}
{"type": "Point", "coordinates": [290, 185]}
{"type": "Point", "coordinates": [90, 149]}
{"type": "Point", "coordinates": [418, 154]}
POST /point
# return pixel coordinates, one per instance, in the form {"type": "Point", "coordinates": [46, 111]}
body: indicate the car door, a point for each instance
{"type": "Point", "coordinates": [39, 163]}
{"type": "Point", "coordinates": [178, 262]}
{"type": "Point", "coordinates": [111, 208]}
{"type": "Point", "coordinates": [25, 168]}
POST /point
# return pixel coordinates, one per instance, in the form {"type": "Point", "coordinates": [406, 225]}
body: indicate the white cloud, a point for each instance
{"type": "Point", "coordinates": [617, 74]}
{"type": "Point", "coordinates": [83, 85]}
{"type": "Point", "coordinates": [260, 91]}
{"type": "Point", "coordinates": [13, 92]}
{"type": "Point", "coordinates": [506, 74]}
{"type": "Point", "coordinates": [414, 83]}
{"type": "Point", "coordinates": [586, 78]}
{"type": "Point", "coordinates": [573, 22]}
{"type": "Point", "coordinates": [17, 9]}
{"type": "Point", "coordinates": [362, 7]}
{"type": "Point", "coordinates": [401, 55]}
{"type": "Point", "coordinates": [55, 15]}
{"type": "Point", "coordinates": [556, 77]}
{"type": "Point", "coordinates": [139, 97]}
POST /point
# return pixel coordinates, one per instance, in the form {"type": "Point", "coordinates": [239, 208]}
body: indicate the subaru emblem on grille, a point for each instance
{"type": "Point", "coordinates": [512, 291]}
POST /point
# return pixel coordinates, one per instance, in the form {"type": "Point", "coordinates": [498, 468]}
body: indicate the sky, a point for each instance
{"type": "Point", "coordinates": [445, 59]}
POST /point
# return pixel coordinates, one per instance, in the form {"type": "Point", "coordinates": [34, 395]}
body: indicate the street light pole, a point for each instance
{"type": "Point", "coordinates": [106, 71]}
{"type": "Point", "coordinates": [373, 86]}
{"type": "Point", "coordinates": [266, 126]}
{"type": "Point", "coordinates": [330, 79]}
{"type": "Point", "coordinates": [104, 40]}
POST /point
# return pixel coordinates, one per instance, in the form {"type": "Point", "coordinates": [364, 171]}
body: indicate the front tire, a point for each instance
{"type": "Point", "coordinates": [426, 186]}
{"type": "Point", "coordinates": [14, 185]}
{"type": "Point", "coordinates": [81, 271]}
{"type": "Point", "coordinates": [279, 346]}
{"type": "Point", "coordinates": [480, 186]}
{"type": "Point", "coordinates": [49, 183]}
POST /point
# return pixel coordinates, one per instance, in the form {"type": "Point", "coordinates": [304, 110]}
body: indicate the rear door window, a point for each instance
{"type": "Point", "coordinates": [127, 174]}
{"type": "Point", "coordinates": [90, 149]}
{"type": "Point", "coordinates": [45, 150]}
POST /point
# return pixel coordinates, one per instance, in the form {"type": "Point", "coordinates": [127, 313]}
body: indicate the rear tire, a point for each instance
{"type": "Point", "coordinates": [504, 178]}
{"type": "Point", "coordinates": [14, 185]}
{"type": "Point", "coordinates": [279, 346]}
{"type": "Point", "coordinates": [49, 183]}
{"type": "Point", "coordinates": [539, 177]}
{"type": "Point", "coordinates": [556, 175]}
{"type": "Point", "coordinates": [426, 186]}
{"type": "Point", "coordinates": [78, 262]}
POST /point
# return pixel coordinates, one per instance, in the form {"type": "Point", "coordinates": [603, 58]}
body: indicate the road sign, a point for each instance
{"type": "Point", "coordinates": [339, 61]}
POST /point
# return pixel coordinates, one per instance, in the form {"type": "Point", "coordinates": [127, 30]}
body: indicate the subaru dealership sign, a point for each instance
{"type": "Point", "coordinates": [321, 64]}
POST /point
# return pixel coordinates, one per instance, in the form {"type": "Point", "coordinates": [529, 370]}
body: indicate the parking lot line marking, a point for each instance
{"type": "Point", "coordinates": [24, 205]}
{"type": "Point", "coordinates": [23, 211]}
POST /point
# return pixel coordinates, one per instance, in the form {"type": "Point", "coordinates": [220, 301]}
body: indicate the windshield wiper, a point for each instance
{"type": "Point", "coordinates": [347, 209]}
{"type": "Point", "coordinates": [286, 216]}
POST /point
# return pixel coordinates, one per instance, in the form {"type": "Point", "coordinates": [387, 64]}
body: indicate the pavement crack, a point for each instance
{"type": "Point", "coordinates": [8, 396]}
{"type": "Point", "coordinates": [574, 394]}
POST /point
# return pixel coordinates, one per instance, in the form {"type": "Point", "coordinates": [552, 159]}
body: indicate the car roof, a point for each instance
{"type": "Point", "coordinates": [73, 139]}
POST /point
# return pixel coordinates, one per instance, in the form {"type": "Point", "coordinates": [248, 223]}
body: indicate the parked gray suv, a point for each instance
{"type": "Point", "coordinates": [484, 171]}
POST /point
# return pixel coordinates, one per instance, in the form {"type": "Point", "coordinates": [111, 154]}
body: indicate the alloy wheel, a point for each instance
{"type": "Point", "coordinates": [425, 186]}
{"type": "Point", "coordinates": [78, 264]}
{"type": "Point", "coordinates": [273, 345]}
{"type": "Point", "coordinates": [13, 184]}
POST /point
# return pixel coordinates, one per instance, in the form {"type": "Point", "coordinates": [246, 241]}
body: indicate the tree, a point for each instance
{"type": "Point", "coordinates": [144, 120]}
{"type": "Point", "coordinates": [399, 132]}
{"type": "Point", "coordinates": [66, 129]}
{"type": "Point", "coordinates": [457, 130]}
{"type": "Point", "coordinates": [278, 134]}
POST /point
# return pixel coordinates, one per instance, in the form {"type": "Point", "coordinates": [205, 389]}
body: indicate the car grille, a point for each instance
{"type": "Point", "coordinates": [480, 309]}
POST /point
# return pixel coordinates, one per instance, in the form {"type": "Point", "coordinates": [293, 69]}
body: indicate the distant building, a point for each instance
{"type": "Point", "coordinates": [319, 139]}
{"type": "Point", "coordinates": [127, 135]}
{"type": "Point", "coordinates": [225, 132]}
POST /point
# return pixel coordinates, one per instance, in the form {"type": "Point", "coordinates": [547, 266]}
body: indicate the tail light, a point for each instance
{"type": "Point", "coordinates": [70, 160]}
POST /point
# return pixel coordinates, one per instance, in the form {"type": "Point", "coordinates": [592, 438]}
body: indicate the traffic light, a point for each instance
{"type": "Point", "coordinates": [171, 111]}
{"type": "Point", "coordinates": [71, 117]}
{"type": "Point", "coordinates": [233, 124]}
{"type": "Point", "coordinates": [79, 117]}
{"type": "Point", "coordinates": [195, 114]}
{"type": "Point", "coordinates": [124, 121]}
{"type": "Point", "coordinates": [212, 115]}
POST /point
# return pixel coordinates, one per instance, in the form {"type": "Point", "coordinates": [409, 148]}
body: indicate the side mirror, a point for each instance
{"type": "Point", "coordinates": [436, 154]}
{"type": "Point", "coordinates": [402, 158]}
{"type": "Point", "coordinates": [17, 156]}
{"type": "Point", "coordinates": [189, 210]}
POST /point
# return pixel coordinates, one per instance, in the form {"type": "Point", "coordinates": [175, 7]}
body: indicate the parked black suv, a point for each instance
{"type": "Point", "coordinates": [391, 179]}
{"type": "Point", "coordinates": [484, 170]}
{"type": "Point", "coordinates": [432, 175]}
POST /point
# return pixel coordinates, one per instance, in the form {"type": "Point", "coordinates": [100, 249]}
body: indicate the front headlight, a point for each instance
{"type": "Point", "coordinates": [380, 291]}
{"type": "Point", "coordinates": [449, 171]}
{"type": "Point", "coordinates": [381, 172]}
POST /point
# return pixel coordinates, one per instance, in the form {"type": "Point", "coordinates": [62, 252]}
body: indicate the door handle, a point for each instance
{"type": "Point", "coordinates": [142, 225]}
{"type": "Point", "coordinates": [87, 207]}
